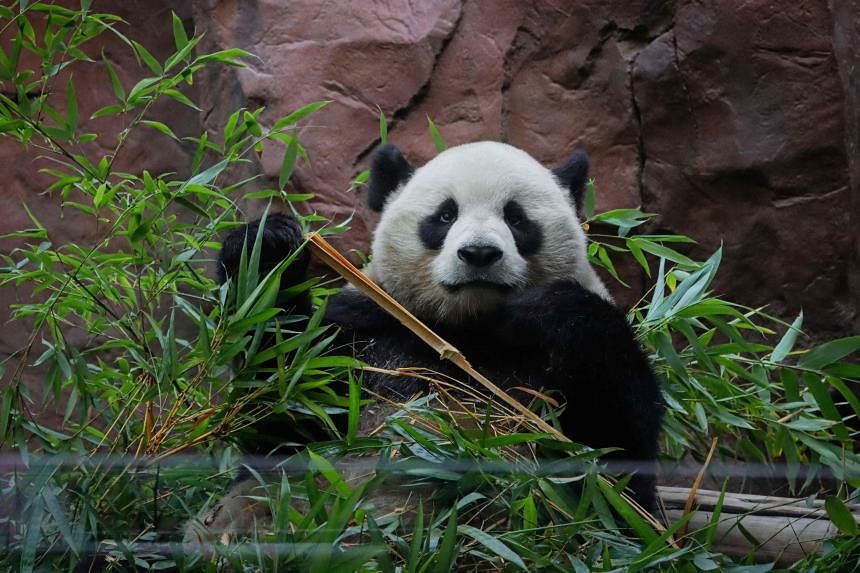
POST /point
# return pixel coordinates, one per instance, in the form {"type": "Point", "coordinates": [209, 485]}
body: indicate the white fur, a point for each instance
{"type": "Point", "coordinates": [481, 177]}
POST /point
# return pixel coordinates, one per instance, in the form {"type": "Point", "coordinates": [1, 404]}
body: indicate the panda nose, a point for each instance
{"type": "Point", "coordinates": [479, 256]}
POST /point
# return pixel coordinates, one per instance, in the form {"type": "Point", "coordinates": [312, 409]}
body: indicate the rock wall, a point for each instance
{"type": "Point", "coordinates": [736, 122]}
{"type": "Point", "coordinates": [846, 43]}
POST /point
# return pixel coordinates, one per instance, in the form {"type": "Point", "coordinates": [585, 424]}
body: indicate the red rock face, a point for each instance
{"type": "Point", "coordinates": [743, 124]}
{"type": "Point", "coordinates": [729, 120]}
{"type": "Point", "coordinates": [846, 47]}
{"type": "Point", "coordinates": [736, 122]}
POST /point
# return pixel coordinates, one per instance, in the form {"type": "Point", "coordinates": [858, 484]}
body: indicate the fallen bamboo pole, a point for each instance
{"type": "Point", "coordinates": [770, 528]}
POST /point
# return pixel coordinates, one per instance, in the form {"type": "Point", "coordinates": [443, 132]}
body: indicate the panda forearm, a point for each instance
{"type": "Point", "coordinates": [281, 237]}
{"type": "Point", "coordinates": [569, 323]}
{"type": "Point", "coordinates": [592, 357]}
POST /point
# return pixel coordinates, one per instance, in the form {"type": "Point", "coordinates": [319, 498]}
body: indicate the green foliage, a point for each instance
{"type": "Point", "coordinates": [722, 374]}
{"type": "Point", "coordinates": [146, 357]}
{"type": "Point", "coordinates": [436, 136]}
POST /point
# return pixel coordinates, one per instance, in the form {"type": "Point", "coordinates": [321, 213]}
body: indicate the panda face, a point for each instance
{"type": "Point", "coordinates": [471, 227]}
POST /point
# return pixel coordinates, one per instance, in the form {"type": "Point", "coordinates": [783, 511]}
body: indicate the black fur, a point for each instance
{"type": "Point", "coordinates": [435, 227]}
{"type": "Point", "coordinates": [528, 235]}
{"type": "Point", "coordinates": [557, 336]}
{"type": "Point", "coordinates": [573, 176]}
{"type": "Point", "coordinates": [389, 169]}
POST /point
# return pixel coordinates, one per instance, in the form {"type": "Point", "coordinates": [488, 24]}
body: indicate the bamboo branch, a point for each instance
{"type": "Point", "coordinates": [691, 499]}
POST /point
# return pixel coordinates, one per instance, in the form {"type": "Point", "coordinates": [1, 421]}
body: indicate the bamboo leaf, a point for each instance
{"type": "Point", "coordinates": [230, 57]}
{"type": "Point", "coordinates": [299, 114]}
{"type": "Point", "coordinates": [182, 54]}
{"type": "Point", "coordinates": [627, 218]}
{"type": "Point", "coordinates": [788, 339]}
{"type": "Point", "coordinates": [436, 136]}
{"type": "Point", "coordinates": [841, 516]}
{"type": "Point", "coordinates": [329, 473]}
{"type": "Point", "coordinates": [829, 352]}
{"type": "Point", "coordinates": [180, 38]}
{"type": "Point", "coordinates": [825, 402]}
{"type": "Point", "coordinates": [588, 199]}
{"type": "Point", "coordinates": [71, 108]}
{"type": "Point", "coordinates": [118, 90]}
{"type": "Point", "coordinates": [417, 542]}
{"type": "Point", "coordinates": [159, 126]}
{"type": "Point", "coordinates": [446, 553]}
{"type": "Point", "coordinates": [632, 517]}
{"type": "Point", "coordinates": [33, 535]}
{"type": "Point", "coordinates": [288, 163]}
{"type": "Point", "coordinates": [59, 518]}
{"type": "Point", "coordinates": [493, 544]}
{"type": "Point", "coordinates": [181, 98]}
{"type": "Point", "coordinates": [147, 58]}
{"type": "Point", "coordinates": [353, 418]}
{"type": "Point", "coordinates": [383, 127]}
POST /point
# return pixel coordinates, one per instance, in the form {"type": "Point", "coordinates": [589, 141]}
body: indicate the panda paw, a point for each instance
{"type": "Point", "coordinates": [282, 236]}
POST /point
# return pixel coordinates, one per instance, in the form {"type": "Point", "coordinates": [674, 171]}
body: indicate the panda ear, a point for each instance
{"type": "Point", "coordinates": [388, 170]}
{"type": "Point", "coordinates": [573, 175]}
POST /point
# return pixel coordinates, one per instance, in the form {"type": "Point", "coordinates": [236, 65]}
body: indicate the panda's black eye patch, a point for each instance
{"type": "Point", "coordinates": [514, 217]}
{"type": "Point", "coordinates": [528, 235]}
{"type": "Point", "coordinates": [434, 228]}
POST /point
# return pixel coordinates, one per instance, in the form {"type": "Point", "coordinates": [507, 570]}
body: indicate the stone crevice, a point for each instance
{"type": "Point", "coordinates": [420, 95]}
{"type": "Point", "coordinates": [640, 138]}
{"type": "Point", "coordinates": [803, 199]}
{"type": "Point", "coordinates": [335, 87]}
{"type": "Point", "coordinates": [523, 40]}
{"type": "Point", "coordinates": [641, 156]}
{"type": "Point", "coordinates": [687, 97]}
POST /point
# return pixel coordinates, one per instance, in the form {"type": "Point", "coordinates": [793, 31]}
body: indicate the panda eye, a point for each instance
{"type": "Point", "coordinates": [514, 215]}
{"type": "Point", "coordinates": [446, 213]}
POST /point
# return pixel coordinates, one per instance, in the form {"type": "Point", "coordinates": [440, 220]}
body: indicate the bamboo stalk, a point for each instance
{"type": "Point", "coordinates": [688, 506]}
{"type": "Point", "coordinates": [337, 262]}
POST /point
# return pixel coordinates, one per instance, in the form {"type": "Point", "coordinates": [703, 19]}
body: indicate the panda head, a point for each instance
{"type": "Point", "coordinates": [473, 226]}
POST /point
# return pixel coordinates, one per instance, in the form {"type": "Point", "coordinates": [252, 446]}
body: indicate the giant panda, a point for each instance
{"type": "Point", "coordinates": [483, 243]}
